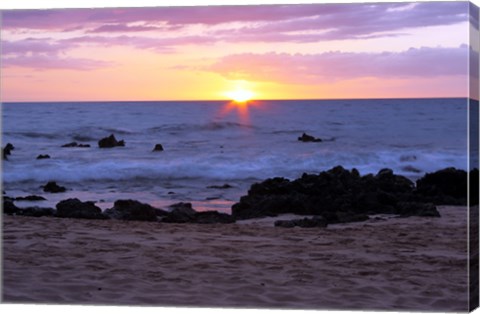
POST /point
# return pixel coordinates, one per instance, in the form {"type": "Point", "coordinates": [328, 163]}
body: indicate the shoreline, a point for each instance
{"type": "Point", "coordinates": [387, 264]}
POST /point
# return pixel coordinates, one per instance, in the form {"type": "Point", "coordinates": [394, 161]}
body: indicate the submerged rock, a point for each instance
{"type": "Point", "coordinates": [31, 198]}
{"type": "Point", "coordinates": [75, 144]}
{"type": "Point", "coordinates": [221, 187]}
{"type": "Point", "coordinates": [133, 210]}
{"type": "Point", "coordinates": [53, 187]}
{"type": "Point", "coordinates": [308, 138]}
{"type": "Point", "coordinates": [74, 208]}
{"type": "Point", "coordinates": [158, 148]}
{"type": "Point", "coordinates": [43, 156]}
{"type": "Point", "coordinates": [109, 142]}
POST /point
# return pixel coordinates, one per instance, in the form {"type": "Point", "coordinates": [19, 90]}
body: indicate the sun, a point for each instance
{"type": "Point", "coordinates": [240, 95]}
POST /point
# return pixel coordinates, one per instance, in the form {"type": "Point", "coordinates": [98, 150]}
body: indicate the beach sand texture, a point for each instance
{"type": "Point", "coordinates": [394, 264]}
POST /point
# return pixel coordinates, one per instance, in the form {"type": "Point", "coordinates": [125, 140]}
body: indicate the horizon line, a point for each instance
{"type": "Point", "coordinates": [231, 100]}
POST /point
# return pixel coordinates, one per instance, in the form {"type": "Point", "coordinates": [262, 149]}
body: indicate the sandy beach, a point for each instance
{"type": "Point", "coordinates": [392, 264]}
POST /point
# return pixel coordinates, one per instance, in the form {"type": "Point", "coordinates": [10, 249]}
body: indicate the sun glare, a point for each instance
{"type": "Point", "coordinates": [240, 95]}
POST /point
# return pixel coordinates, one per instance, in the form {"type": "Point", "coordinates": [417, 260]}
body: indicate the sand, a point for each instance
{"type": "Point", "coordinates": [394, 264]}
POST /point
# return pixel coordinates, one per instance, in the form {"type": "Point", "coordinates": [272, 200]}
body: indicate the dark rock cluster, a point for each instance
{"type": "Point", "coordinates": [339, 195]}
{"type": "Point", "coordinates": [109, 142]}
{"type": "Point", "coordinates": [308, 138]}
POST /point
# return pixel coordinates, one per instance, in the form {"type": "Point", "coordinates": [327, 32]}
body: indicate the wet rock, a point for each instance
{"type": "Point", "coordinates": [407, 209]}
{"type": "Point", "coordinates": [75, 144]}
{"type": "Point", "coordinates": [314, 222]}
{"type": "Point", "coordinates": [31, 198]}
{"type": "Point", "coordinates": [308, 138]}
{"type": "Point", "coordinates": [158, 148]}
{"type": "Point", "coordinates": [36, 211]}
{"type": "Point", "coordinates": [7, 150]}
{"type": "Point", "coordinates": [213, 217]}
{"type": "Point", "coordinates": [53, 187]}
{"type": "Point", "coordinates": [133, 210]}
{"type": "Point", "coordinates": [338, 195]}
{"type": "Point", "coordinates": [180, 213]}
{"type": "Point", "coordinates": [74, 208]}
{"type": "Point", "coordinates": [9, 207]}
{"type": "Point", "coordinates": [444, 187]}
{"type": "Point", "coordinates": [43, 156]}
{"type": "Point", "coordinates": [109, 142]}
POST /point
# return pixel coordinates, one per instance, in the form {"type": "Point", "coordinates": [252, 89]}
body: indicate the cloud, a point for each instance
{"type": "Point", "coordinates": [49, 62]}
{"type": "Point", "coordinates": [261, 22]}
{"type": "Point", "coordinates": [334, 66]}
{"type": "Point", "coordinates": [42, 54]}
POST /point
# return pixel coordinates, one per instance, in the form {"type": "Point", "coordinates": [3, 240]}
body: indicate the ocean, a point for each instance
{"type": "Point", "coordinates": [208, 144]}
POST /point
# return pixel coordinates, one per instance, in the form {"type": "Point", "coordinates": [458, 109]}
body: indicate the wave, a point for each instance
{"type": "Point", "coordinates": [216, 167]}
{"type": "Point", "coordinates": [210, 126]}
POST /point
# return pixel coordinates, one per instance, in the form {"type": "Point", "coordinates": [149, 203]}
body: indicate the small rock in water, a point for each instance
{"type": "Point", "coordinates": [75, 144]}
{"type": "Point", "coordinates": [411, 169]}
{"type": "Point", "coordinates": [225, 186]}
{"type": "Point", "coordinates": [109, 142]}
{"type": "Point", "coordinates": [7, 150]}
{"type": "Point", "coordinates": [30, 198]}
{"type": "Point", "coordinates": [43, 156]}
{"type": "Point", "coordinates": [308, 138]}
{"type": "Point", "coordinates": [158, 148]}
{"type": "Point", "coordinates": [53, 187]}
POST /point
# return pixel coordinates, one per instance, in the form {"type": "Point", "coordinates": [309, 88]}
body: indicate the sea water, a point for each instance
{"type": "Point", "coordinates": [211, 143]}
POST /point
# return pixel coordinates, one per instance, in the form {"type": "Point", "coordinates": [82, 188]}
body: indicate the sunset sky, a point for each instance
{"type": "Point", "coordinates": [275, 52]}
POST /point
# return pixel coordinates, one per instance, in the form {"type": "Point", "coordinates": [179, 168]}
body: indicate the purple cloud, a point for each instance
{"type": "Point", "coordinates": [337, 20]}
{"type": "Point", "coordinates": [334, 66]}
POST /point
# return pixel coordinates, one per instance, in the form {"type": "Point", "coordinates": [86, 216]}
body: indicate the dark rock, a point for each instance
{"type": "Point", "coordinates": [158, 148]}
{"type": "Point", "coordinates": [9, 207]}
{"type": "Point", "coordinates": [53, 187]}
{"type": "Point", "coordinates": [308, 138]}
{"type": "Point", "coordinates": [109, 142]}
{"type": "Point", "coordinates": [43, 156]}
{"type": "Point", "coordinates": [444, 187]}
{"type": "Point", "coordinates": [7, 150]}
{"type": "Point", "coordinates": [314, 222]}
{"type": "Point", "coordinates": [36, 211]}
{"type": "Point", "coordinates": [75, 144]}
{"type": "Point", "coordinates": [30, 198]}
{"type": "Point", "coordinates": [474, 187]}
{"type": "Point", "coordinates": [338, 195]}
{"type": "Point", "coordinates": [133, 210]}
{"type": "Point", "coordinates": [213, 217]}
{"type": "Point", "coordinates": [407, 209]}
{"type": "Point", "coordinates": [74, 208]}
{"type": "Point", "coordinates": [225, 186]}
{"type": "Point", "coordinates": [180, 213]}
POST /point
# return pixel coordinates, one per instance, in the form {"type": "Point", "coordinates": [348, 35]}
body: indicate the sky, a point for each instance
{"type": "Point", "coordinates": [304, 51]}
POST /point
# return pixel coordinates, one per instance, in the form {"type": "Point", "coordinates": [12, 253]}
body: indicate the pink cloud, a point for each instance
{"type": "Point", "coordinates": [49, 62]}
{"type": "Point", "coordinates": [335, 66]}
